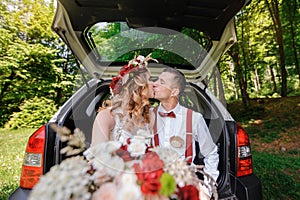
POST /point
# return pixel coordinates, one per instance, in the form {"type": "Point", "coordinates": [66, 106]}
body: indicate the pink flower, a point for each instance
{"type": "Point", "coordinates": [124, 154]}
{"type": "Point", "coordinates": [107, 191]}
{"type": "Point", "coordinates": [101, 177]}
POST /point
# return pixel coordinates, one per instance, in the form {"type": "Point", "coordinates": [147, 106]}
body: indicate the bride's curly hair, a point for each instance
{"type": "Point", "coordinates": [133, 98]}
{"type": "Point", "coordinates": [130, 92]}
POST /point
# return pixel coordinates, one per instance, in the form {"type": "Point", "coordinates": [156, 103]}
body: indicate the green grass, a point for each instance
{"type": "Point", "coordinates": [271, 125]}
{"type": "Point", "coordinates": [12, 147]}
{"type": "Point", "coordinates": [279, 175]}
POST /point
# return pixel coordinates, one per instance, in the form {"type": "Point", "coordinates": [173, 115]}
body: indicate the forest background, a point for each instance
{"type": "Point", "coordinates": [38, 71]}
{"type": "Point", "coordinates": [37, 68]}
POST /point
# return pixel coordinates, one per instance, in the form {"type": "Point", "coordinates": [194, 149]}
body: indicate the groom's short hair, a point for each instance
{"type": "Point", "coordinates": [179, 78]}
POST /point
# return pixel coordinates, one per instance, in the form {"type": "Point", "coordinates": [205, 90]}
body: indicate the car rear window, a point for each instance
{"type": "Point", "coordinates": [117, 43]}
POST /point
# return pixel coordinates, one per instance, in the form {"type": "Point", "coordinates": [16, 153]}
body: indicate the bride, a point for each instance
{"type": "Point", "coordinates": [129, 114]}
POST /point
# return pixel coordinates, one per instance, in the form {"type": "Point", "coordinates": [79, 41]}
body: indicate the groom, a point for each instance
{"type": "Point", "coordinates": [180, 128]}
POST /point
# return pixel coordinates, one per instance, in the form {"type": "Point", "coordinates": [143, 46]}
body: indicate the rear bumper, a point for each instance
{"type": "Point", "coordinates": [19, 194]}
{"type": "Point", "coordinates": [248, 188]}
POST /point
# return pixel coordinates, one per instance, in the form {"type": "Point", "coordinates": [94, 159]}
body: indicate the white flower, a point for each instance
{"type": "Point", "coordinates": [70, 178]}
{"type": "Point", "coordinates": [129, 189]}
{"type": "Point", "coordinates": [128, 178]}
{"type": "Point", "coordinates": [92, 152]}
{"type": "Point", "coordinates": [133, 62]}
{"type": "Point", "coordinates": [100, 176]}
{"type": "Point", "coordinates": [167, 155]}
{"type": "Point", "coordinates": [140, 58]}
{"type": "Point", "coordinates": [114, 166]}
{"type": "Point", "coordinates": [181, 172]}
{"type": "Point", "coordinates": [137, 146]}
{"type": "Point", "coordinates": [130, 192]}
{"type": "Point", "coordinates": [112, 146]}
{"type": "Point", "coordinates": [138, 138]}
{"type": "Point", "coordinates": [101, 148]}
{"type": "Point", "coordinates": [101, 161]}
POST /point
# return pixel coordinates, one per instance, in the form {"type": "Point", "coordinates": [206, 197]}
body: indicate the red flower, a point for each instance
{"type": "Point", "coordinates": [123, 70]}
{"type": "Point", "coordinates": [151, 186]}
{"type": "Point", "coordinates": [149, 172]}
{"type": "Point", "coordinates": [146, 172]}
{"type": "Point", "coordinates": [127, 68]}
{"type": "Point", "coordinates": [124, 154]}
{"type": "Point", "coordinates": [115, 84]}
{"type": "Point", "coordinates": [188, 192]}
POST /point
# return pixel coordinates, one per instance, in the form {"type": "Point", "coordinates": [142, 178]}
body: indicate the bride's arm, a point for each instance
{"type": "Point", "coordinates": [152, 120]}
{"type": "Point", "coordinates": [102, 127]}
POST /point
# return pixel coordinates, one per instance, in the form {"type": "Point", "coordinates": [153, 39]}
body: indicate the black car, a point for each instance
{"type": "Point", "coordinates": [189, 35]}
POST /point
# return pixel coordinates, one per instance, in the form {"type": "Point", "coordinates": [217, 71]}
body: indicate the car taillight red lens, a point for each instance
{"type": "Point", "coordinates": [32, 167]}
{"type": "Point", "coordinates": [244, 160]}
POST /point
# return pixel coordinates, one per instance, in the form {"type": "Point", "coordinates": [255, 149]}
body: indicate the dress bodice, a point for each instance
{"type": "Point", "coordinates": [121, 133]}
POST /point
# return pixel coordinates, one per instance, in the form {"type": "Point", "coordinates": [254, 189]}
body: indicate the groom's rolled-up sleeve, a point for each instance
{"type": "Point", "coordinates": [210, 152]}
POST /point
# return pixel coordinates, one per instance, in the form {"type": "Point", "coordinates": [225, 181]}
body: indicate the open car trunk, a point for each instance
{"type": "Point", "coordinates": [77, 23]}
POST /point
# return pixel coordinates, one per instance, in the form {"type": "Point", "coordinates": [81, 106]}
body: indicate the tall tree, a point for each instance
{"type": "Point", "coordinates": [273, 7]}
{"type": "Point", "coordinates": [235, 55]}
{"type": "Point", "coordinates": [292, 14]}
{"type": "Point", "coordinates": [31, 56]}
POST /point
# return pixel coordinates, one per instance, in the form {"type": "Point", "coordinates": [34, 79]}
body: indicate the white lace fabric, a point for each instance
{"type": "Point", "coordinates": [121, 132]}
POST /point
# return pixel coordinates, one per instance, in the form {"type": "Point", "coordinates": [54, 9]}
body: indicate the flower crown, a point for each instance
{"type": "Point", "coordinates": [134, 66]}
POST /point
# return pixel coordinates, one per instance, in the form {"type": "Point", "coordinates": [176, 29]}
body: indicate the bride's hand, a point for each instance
{"type": "Point", "coordinates": [202, 194]}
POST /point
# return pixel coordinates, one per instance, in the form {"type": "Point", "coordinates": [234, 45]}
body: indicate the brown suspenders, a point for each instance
{"type": "Point", "coordinates": [189, 136]}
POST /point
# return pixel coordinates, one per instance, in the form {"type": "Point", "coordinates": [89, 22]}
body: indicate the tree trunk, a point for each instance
{"type": "Point", "coordinates": [239, 74]}
{"type": "Point", "coordinates": [220, 87]}
{"type": "Point", "coordinates": [231, 66]}
{"type": "Point", "coordinates": [274, 12]}
{"type": "Point", "coordinates": [244, 54]}
{"type": "Point", "coordinates": [291, 17]}
{"type": "Point", "coordinates": [242, 83]}
{"type": "Point", "coordinates": [273, 79]}
{"type": "Point", "coordinates": [256, 77]}
{"type": "Point", "coordinates": [215, 81]}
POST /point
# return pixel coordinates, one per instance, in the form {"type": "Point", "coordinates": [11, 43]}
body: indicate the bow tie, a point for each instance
{"type": "Point", "coordinates": [170, 114]}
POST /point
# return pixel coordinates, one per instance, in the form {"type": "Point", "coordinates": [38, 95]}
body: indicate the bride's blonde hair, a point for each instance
{"type": "Point", "coordinates": [133, 99]}
{"type": "Point", "coordinates": [131, 93]}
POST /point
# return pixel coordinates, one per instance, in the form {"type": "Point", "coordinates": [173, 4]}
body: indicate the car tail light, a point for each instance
{"type": "Point", "coordinates": [244, 160]}
{"type": "Point", "coordinates": [32, 167]}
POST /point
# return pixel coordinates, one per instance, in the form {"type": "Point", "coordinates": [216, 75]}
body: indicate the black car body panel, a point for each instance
{"type": "Point", "coordinates": [210, 16]}
{"type": "Point", "coordinates": [20, 194]}
{"type": "Point", "coordinates": [248, 187]}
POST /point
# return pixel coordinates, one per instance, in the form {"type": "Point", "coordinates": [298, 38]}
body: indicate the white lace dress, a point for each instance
{"type": "Point", "coordinates": [122, 134]}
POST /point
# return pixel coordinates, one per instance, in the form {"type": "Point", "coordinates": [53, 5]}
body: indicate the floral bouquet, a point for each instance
{"type": "Point", "coordinates": [112, 170]}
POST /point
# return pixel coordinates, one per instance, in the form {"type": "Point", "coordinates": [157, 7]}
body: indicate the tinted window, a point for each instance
{"type": "Point", "coordinates": [116, 42]}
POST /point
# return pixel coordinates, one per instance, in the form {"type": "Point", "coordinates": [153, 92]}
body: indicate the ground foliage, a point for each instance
{"type": "Point", "coordinates": [274, 128]}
